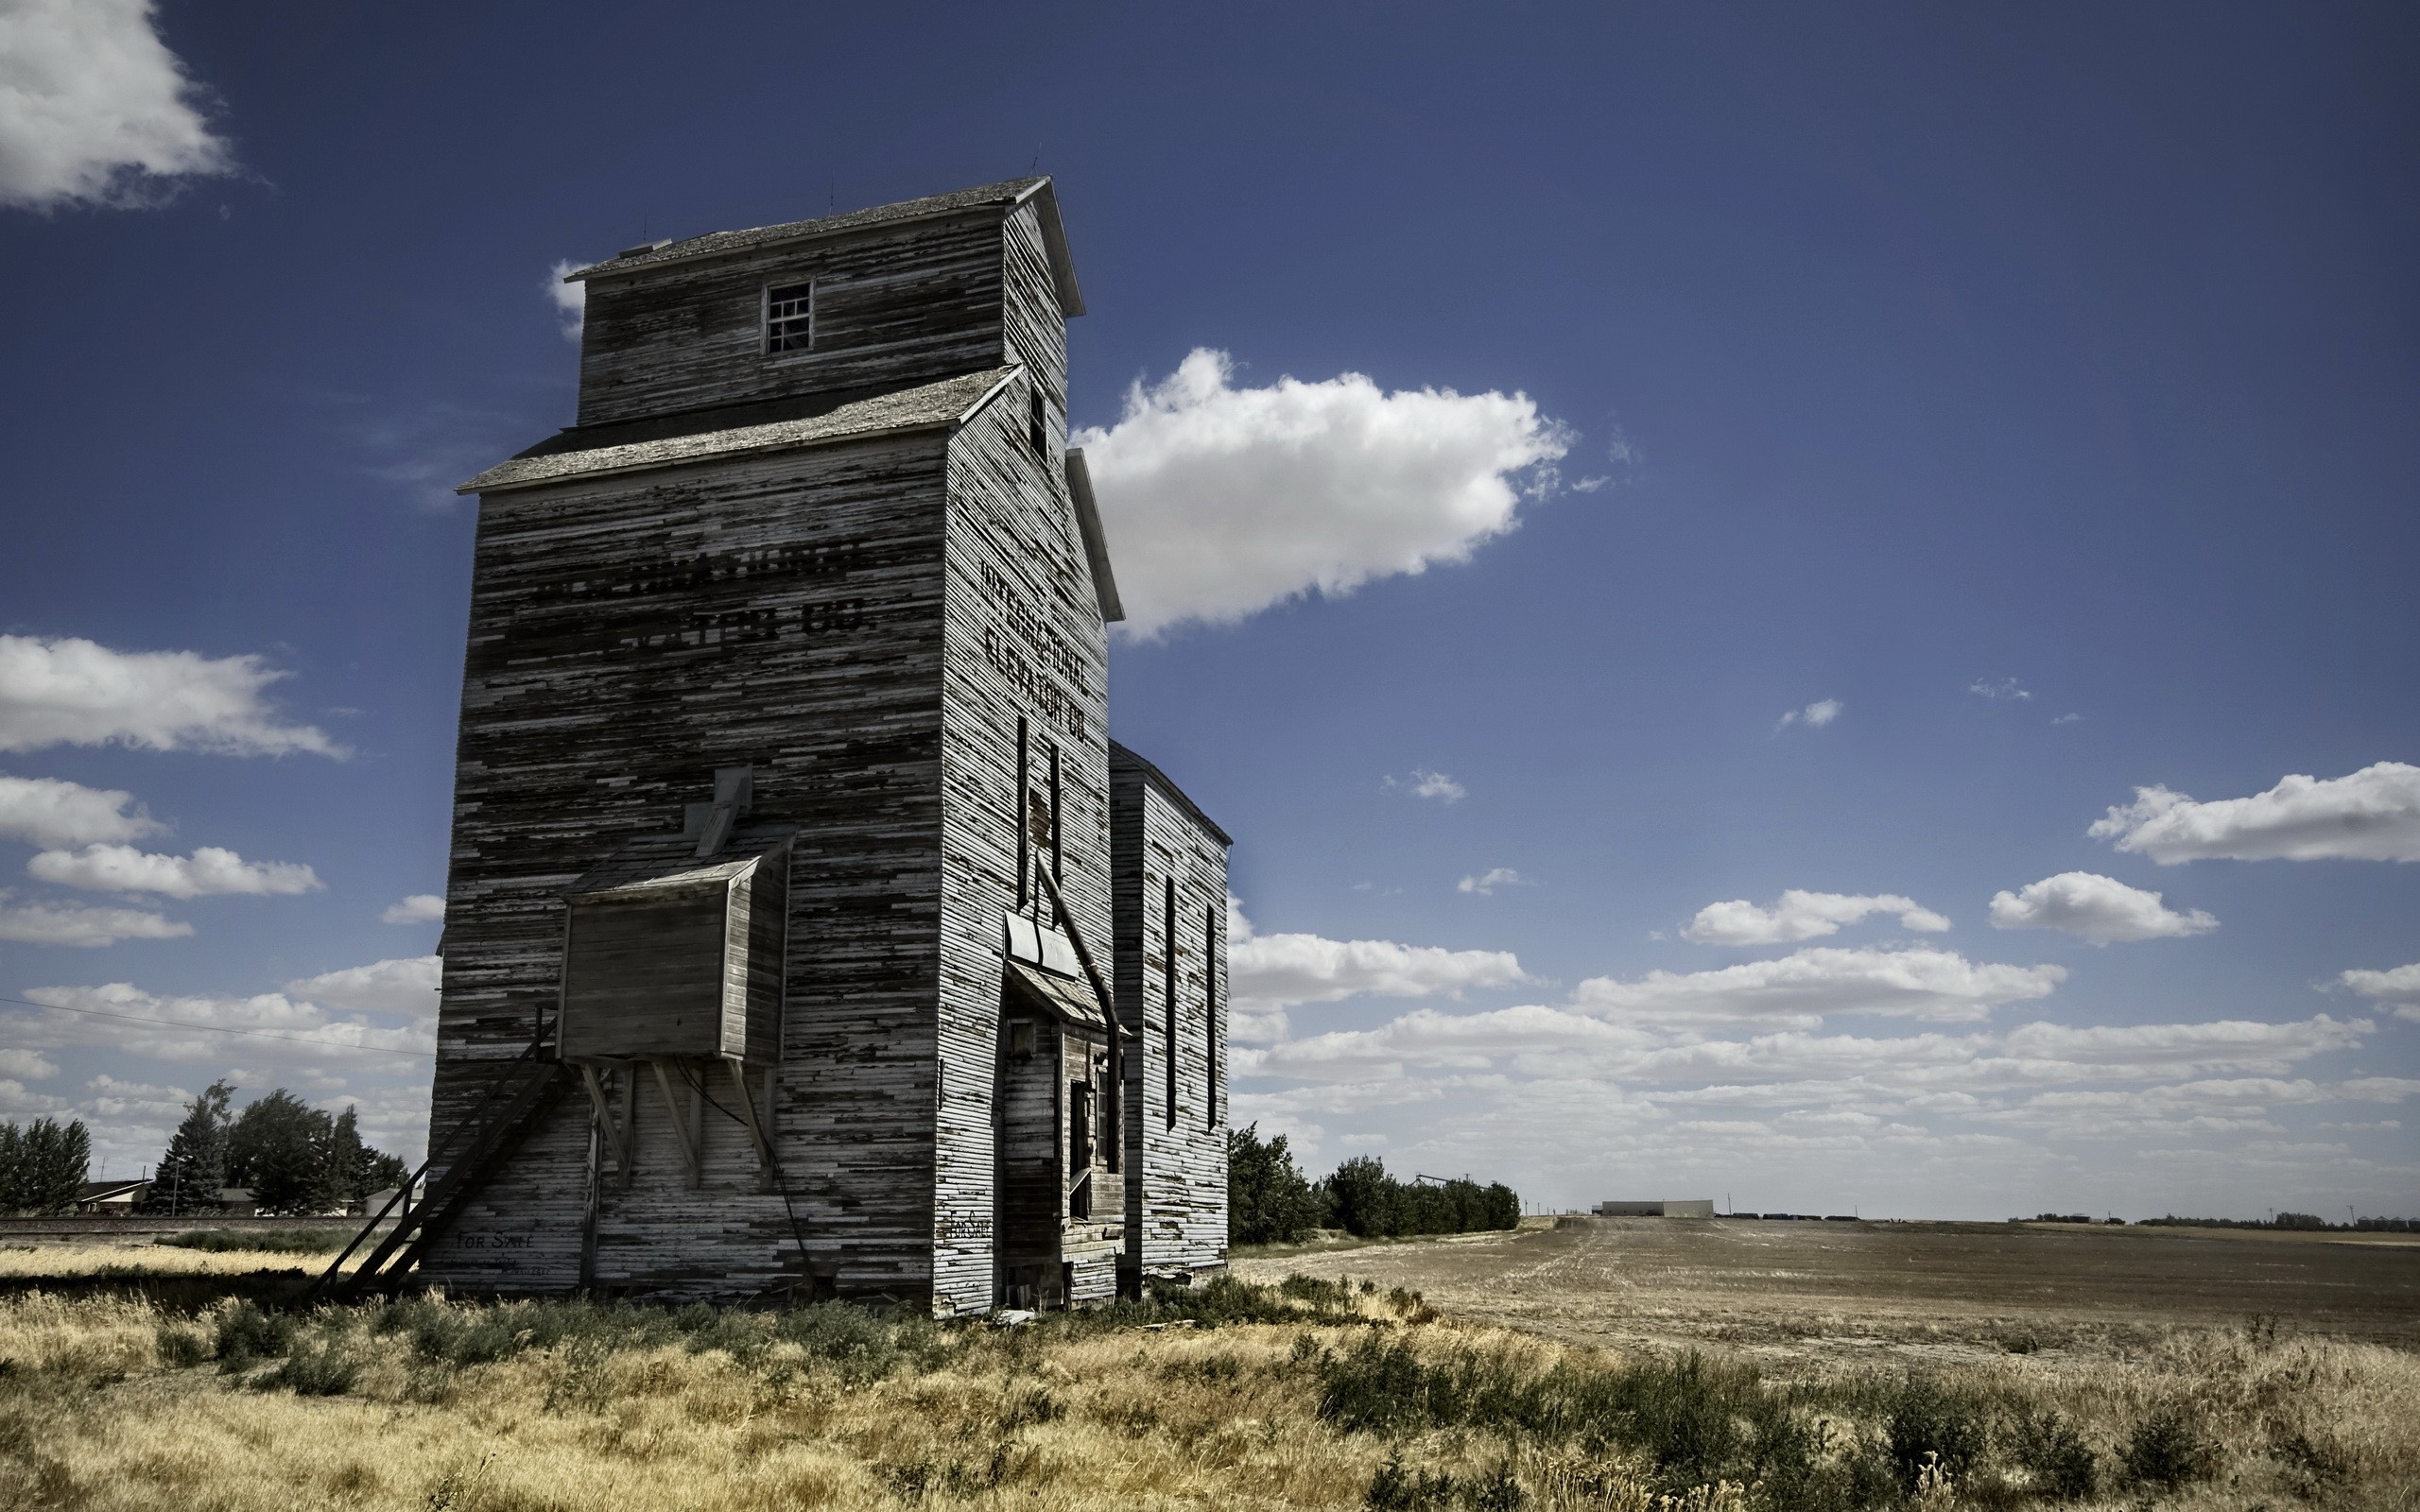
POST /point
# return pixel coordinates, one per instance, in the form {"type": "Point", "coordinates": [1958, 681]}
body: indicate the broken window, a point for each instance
{"type": "Point", "coordinates": [790, 318]}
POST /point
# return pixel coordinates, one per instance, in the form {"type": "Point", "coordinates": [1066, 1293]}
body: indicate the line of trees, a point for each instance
{"type": "Point", "coordinates": [2306, 1221]}
{"type": "Point", "coordinates": [291, 1156]}
{"type": "Point", "coordinates": [1269, 1201]}
{"type": "Point", "coordinates": [42, 1167]}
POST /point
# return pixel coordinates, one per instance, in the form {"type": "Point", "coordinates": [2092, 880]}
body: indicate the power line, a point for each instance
{"type": "Point", "coordinates": [208, 1028]}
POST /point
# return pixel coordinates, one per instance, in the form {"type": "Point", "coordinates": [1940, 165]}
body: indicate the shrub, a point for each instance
{"type": "Point", "coordinates": [245, 1334]}
{"type": "Point", "coordinates": [1928, 1424]}
{"type": "Point", "coordinates": [851, 1339]}
{"type": "Point", "coordinates": [1396, 1489]}
{"type": "Point", "coordinates": [323, 1370]}
{"type": "Point", "coordinates": [2169, 1449]}
{"type": "Point", "coordinates": [2054, 1457]}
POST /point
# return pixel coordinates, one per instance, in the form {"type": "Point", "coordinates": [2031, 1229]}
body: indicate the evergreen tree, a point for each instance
{"type": "Point", "coordinates": [359, 1169]}
{"type": "Point", "coordinates": [279, 1150]}
{"type": "Point", "coordinates": [42, 1166]}
{"type": "Point", "coordinates": [345, 1154]}
{"type": "Point", "coordinates": [12, 1166]}
{"type": "Point", "coordinates": [195, 1166]}
{"type": "Point", "coordinates": [1268, 1200]}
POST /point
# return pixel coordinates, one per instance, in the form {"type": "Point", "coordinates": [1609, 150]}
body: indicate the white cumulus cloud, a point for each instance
{"type": "Point", "coordinates": [1800, 990]}
{"type": "Point", "coordinates": [48, 924]}
{"type": "Point", "coordinates": [1220, 501]}
{"type": "Point", "coordinates": [208, 870]}
{"type": "Point", "coordinates": [406, 986]}
{"type": "Point", "coordinates": [1802, 914]}
{"type": "Point", "coordinates": [183, 1034]}
{"type": "Point", "coordinates": [31, 1063]}
{"type": "Point", "coordinates": [419, 908]}
{"type": "Point", "coordinates": [71, 692]}
{"type": "Point", "coordinates": [2372, 815]}
{"type": "Point", "coordinates": [94, 108]}
{"type": "Point", "coordinates": [1266, 971]}
{"type": "Point", "coordinates": [1426, 783]}
{"type": "Point", "coordinates": [2090, 906]}
{"type": "Point", "coordinates": [49, 813]}
{"type": "Point", "coordinates": [2397, 987]}
{"type": "Point", "coordinates": [1819, 714]}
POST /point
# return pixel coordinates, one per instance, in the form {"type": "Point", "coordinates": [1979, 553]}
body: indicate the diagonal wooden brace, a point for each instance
{"type": "Point", "coordinates": [617, 1134]}
{"type": "Point", "coordinates": [767, 1171]}
{"type": "Point", "coordinates": [684, 1130]}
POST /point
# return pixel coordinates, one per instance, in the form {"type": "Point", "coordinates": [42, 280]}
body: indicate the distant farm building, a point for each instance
{"type": "Point", "coordinates": [1685, 1208]}
{"type": "Point", "coordinates": [807, 935]}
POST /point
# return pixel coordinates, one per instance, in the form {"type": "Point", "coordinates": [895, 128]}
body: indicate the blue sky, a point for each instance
{"type": "Point", "coordinates": [1845, 454]}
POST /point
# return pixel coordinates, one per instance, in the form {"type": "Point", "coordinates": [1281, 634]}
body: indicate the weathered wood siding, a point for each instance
{"type": "Point", "coordinates": [893, 306]}
{"type": "Point", "coordinates": [865, 623]}
{"type": "Point", "coordinates": [1025, 641]}
{"type": "Point", "coordinates": [1176, 1166]}
{"type": "Point", "coordinates": [627, 637]}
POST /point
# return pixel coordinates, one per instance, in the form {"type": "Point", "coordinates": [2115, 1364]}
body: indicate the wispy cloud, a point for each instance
{"type": "Point", "coordinates": [1999, 690]}
{"type": "Point", "coordinates": [1815, 715]}
{"type": "Point", "coordinates": [80, 924]}
{"type": "Point", "coordinates": [70, 691]}
{"type": "Point", "coordinates": [569, 299]}
{"type": "Point", "coordinates": [1485, 882]}
{"type": "Point", "coordinates": [1800, 915]}
{"type": "Point", "coordinates": [1426, 783]}
{"type": "Point", "coordinates": [211, 869]}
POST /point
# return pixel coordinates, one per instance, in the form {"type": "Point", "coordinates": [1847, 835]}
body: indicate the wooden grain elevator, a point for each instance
{"type": "Point", "coordinates": [806, 936]}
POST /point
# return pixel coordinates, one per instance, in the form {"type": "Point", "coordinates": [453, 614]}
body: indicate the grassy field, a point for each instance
{"type": "Point", "coordinates": [1822, 1386]}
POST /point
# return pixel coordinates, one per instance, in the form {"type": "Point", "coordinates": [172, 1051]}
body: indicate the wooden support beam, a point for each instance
{"type": "Point", "coordinates": [685, 1130]}
{"type": "Point", "coordinates": [765, 1168]}
{"type": "Point", "coordinates": [617, 1133]}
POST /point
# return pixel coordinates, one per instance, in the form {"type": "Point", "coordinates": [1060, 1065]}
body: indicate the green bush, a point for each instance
{"type": "Point", "coordinates": [1396, 1489]}
{"type": "Point", "coordinates": [324, 1369]}
{"type": "Point", "coordinates": [2169, 1449]}
{"type": "Point", "coordinates": [2060, 1464]}
{"type": "Point", "coordinates": [1927, 1423]}
{"type": "Point", "coordinates": [245, 1334]}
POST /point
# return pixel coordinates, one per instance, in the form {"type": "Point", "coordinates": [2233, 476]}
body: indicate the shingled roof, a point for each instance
{"type": "Point", "coordinates": [1004, 196]}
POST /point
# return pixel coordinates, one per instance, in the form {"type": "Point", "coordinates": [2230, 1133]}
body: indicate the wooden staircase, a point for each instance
{"type": "Point", "coordinates": [522, 1091]}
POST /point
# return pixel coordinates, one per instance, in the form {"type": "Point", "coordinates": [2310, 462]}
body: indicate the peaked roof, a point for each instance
{"type": "Point", "coordinates": [1004, 196]}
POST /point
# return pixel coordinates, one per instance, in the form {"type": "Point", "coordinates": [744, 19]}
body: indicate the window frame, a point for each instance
{"type": "Point", "coordinates": [765, 320]}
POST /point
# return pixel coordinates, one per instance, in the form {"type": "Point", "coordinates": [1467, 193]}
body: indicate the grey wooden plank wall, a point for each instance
{"type": "Point", "coordinates": [592, 714]}
{"type": "Point", "coordinates": [893, 306]}
{"type": "Point", "coordinates": [1025, 639]}
{"type": "Point", "coordinates": [862, 623]}
{"type": "Point", "coordinates": [1176, 1169]}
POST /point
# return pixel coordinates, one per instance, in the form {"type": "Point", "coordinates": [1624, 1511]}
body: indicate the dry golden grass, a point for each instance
{"type": "Point", "coordinates": [133, 1261]}
{"type": "Point", "coordinates": [110, 1403]}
